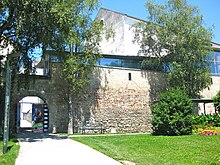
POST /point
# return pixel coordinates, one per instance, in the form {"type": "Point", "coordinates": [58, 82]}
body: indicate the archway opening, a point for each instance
{"type": "Point", "coordinates": [32, 114]}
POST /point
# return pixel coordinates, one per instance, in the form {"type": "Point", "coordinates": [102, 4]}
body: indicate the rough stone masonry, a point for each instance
{"type": "Point", "coordinates": [112, 99]}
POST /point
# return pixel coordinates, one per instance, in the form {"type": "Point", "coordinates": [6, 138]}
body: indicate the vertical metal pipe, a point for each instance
{"type": "Point", "coordinates": [7, 107]}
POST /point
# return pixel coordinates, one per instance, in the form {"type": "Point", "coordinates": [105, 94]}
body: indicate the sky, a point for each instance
{"type": "Point", "coordinates": [210, 9]}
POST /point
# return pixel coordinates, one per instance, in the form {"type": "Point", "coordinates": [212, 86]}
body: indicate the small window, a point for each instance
{"type": "Point", "coordinates": [129, 76]}
{"type": "Point", "coordinates": [102, 22]}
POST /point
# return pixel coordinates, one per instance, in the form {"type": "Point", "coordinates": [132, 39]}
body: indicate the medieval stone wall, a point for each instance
{"type": "Point", "coordinates": [50, 89]}
{"type": "Point", "coordinates": [120, 104]}
{"type": "Point", "coordinates": [111, 99]}
{"type": "Point", "coordinates": [119, 99]}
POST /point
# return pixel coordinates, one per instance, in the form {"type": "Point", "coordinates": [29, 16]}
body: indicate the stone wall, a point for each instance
{"type": "Point", "coordinates": [111, 99]}
{"type": "Point", "coordinates": [120, 104]}
{"type": "Point", "coordinates": [50, 89]}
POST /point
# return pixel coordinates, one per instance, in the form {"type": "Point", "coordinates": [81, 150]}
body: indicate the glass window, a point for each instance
{"type": "Point", "coordinates": [119, 62]}
{"type": "Point", "coordinates": [215, 63]}
{"type": "Point", "coordinates": [212, 68]}
{"type": "Point", "coordinates": [217, 56]}
{"type": "Point", "coordinates": [110, 62]}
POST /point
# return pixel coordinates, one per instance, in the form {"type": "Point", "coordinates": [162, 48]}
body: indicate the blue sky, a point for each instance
{"type": "Point", "coordinates": [210, 9]}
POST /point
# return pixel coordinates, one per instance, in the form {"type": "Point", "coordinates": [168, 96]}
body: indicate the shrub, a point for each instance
{"type": "Point", "coordinates": [172, 115]}
{"type": "Point", "coordinates": [208, 119]}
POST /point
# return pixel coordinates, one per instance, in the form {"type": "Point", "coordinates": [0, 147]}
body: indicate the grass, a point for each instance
{"type": "Point", "coordinates": [157, 150]}
{"type": "Point", "coordinates": [10, 156]}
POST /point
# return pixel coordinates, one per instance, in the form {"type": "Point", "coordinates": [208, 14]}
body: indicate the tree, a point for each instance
{"type": "Point", "coordinates": [172, 115]}
{"type": "Point", "coordinates": [80, 36]}
{"type": "Point", "coordinates": [82, 41]}
{"type": "Point", "coordinates": [62, 26]}
{"type": "Point", "coordinates": [176, 35]}
{"type": "Point", "coordinates": [26, 25]}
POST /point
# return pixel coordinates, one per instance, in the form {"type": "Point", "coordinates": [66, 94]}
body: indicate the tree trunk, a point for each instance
{"type": "Point", "coordinates": [70, 113]}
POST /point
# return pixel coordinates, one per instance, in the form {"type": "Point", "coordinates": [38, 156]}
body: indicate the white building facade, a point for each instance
{"type": "Point", "coordinates": [122, 44]}
{"type": "Point", "coordinates": [123, 41]}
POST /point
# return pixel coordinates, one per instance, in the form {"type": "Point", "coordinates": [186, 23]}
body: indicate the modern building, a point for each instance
{"type": "Point", "coordinates": [123, 45]}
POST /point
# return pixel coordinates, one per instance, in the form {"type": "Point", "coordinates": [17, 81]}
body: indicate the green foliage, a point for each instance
{"type": "Point", "coordinates": [152, 64]}
{"type": "Point", "coordinates": [172, 115]}
{"type": "Point", "coordinates": [40, 23]}
{"type": "Point", "coordinates": [78, 35]}
{"type": "Point", "coordinates": [176, 32]}
{"type": "Point", "coordinates": [10, 156]}
{"type": "Point", "coordinates": [26, 25]}
{"type": "Point", "coordinates": [216, 101]}
{"type": "Point", "coordinates": [207, 119]}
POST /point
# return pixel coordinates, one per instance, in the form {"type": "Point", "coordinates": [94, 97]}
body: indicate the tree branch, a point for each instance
{"type": "Point", "coordinates": [9, 20]}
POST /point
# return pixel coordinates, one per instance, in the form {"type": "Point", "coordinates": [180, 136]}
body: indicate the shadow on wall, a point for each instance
{"type": "Point", "coordinates": [87, 100]}
{"type": "Point", "coordinates": [157, 83]}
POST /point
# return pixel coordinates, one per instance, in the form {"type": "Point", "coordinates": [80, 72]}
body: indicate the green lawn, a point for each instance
{"type": "Point", "coordinates": [11, 155]}
{"type": "Point", "coordinates": [157, 150]}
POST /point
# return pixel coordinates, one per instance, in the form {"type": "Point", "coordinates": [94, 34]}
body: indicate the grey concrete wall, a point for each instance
{"type": "Point", "coordinates": [213, 89]}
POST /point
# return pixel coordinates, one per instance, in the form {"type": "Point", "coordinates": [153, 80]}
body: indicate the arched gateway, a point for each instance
{"type": "Point", "coordinates": [49, 89]}
{"type": "Point", "coordinates": [17, 116]}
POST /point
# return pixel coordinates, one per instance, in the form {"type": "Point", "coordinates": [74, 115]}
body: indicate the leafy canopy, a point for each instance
{"type": "Point", "coordinates": [80, 36]}
{"type": "Point", "coordinates": [61, 26]}
{"type": "Point", "coordinates": [27, 24]}
{"type": "Point", "coordinates": [52, 24]}
{"type": "Point", "coordinates": [177, 36]}
{"type": "Point", "coordinates": [38, 23]}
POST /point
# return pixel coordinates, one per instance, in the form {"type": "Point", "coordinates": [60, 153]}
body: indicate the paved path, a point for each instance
{"type": "Point", "coordinates": [49, 149]}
